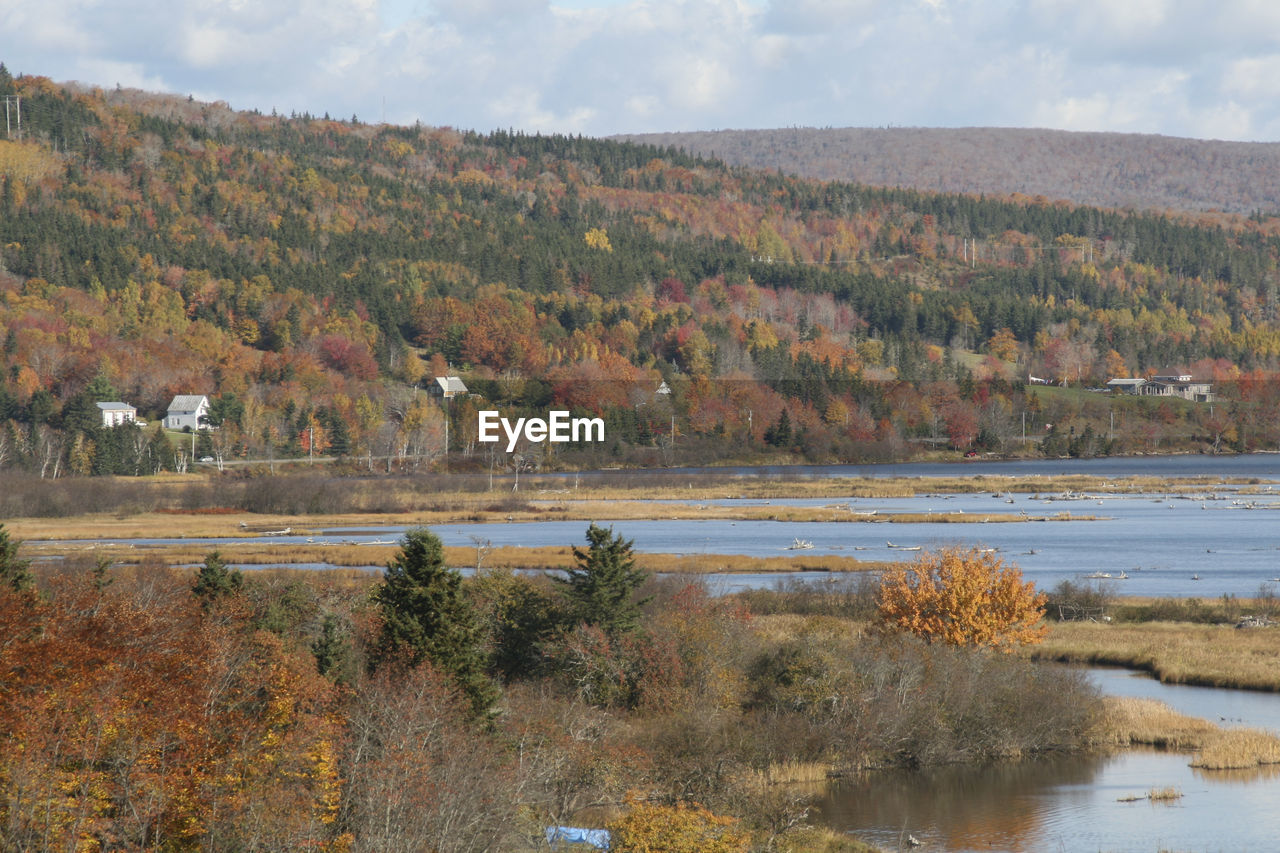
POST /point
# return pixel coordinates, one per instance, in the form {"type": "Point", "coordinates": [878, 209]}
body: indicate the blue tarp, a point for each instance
{"type": "Point", "coordinates": [575, 835]}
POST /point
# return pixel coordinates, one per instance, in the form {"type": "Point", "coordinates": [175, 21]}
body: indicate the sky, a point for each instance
{"type": "Point", "coordinates": [1208, 70]}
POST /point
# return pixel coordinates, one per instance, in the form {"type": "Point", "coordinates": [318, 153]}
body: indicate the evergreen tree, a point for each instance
{"type": "Point", "coordinates": [426, 617]}
{"type": "Point", "coordinates": [14, 572]}
{"type": "Point", "coordinates": [332, 650]}
{"type": "Point", "coordinates": [159, 452]}
{"type": "Point", "coordinates": [215, 581]}
{"type": "Point", "coordinates": [602, 586]}
{"type": "Point", "coordinates": [779, 435]}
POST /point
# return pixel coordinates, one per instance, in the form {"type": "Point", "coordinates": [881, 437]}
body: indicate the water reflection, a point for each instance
{"type": "Point", "coordinates": [959, 808]}
{"type": "Point", "coordinates": [1067, 804]}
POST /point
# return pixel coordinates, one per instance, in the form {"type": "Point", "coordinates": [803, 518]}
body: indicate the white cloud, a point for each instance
{"type": "Point", "coordinates": [1177, 67]}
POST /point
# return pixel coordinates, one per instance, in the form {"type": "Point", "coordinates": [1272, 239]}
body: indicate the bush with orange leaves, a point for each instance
{"type": "Point", "coordinates": [962, 598]}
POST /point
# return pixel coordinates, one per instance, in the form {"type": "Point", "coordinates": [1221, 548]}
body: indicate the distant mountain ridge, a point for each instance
{"type": "Point", "coordinates": [1116, 170]}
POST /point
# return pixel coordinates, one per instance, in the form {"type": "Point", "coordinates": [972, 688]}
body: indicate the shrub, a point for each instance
{"type": "Point", "coordinates": [675, 829]}
{"type": "Point", "coordinates": [962, 598]}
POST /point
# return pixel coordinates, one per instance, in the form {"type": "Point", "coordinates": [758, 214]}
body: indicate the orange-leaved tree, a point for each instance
{"type": "Point", "coordinates": [962, 598]}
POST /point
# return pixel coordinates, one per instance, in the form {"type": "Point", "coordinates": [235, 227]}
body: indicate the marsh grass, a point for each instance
{"type": "Point", "coordinates": [318, 493]}
{"type": "Point", "coordinates": [792, 773]}
{"type": "Point", "coordinates": [549, 558]}
{"type": "Point", "coordinates": [1238, 749]}
{"type": "Point", "coordinates": [1145, 722]}
{"type": "Point", "coordinates": [1128, 721]}
{"type": "Point", "coordinates": [1155, 795]}
{"type": "Point", "coordinates": [1176, 652]}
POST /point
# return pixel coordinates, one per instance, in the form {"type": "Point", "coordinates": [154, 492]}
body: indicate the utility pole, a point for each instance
{"type": "Point", "coordinates": [12, 104]}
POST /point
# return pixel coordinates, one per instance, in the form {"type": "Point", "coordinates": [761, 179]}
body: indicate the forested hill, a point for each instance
{"type": "Point", "coordinates": [1121, 170]}
{"type": "Point", "coordinates": [308, 274]}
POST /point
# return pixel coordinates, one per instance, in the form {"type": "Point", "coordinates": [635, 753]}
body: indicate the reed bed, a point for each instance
{"type": "Point", "coordinates": [1128, 721]}
{"type": "Point", "coordinates": [1155, 795]}
{"type": "Point", "coordinates": [1175, 652]}
{"type": "Point", "coordinates": [791, 773]}
{"type": "Point", "coordinates": [1164, 794]}
{"type": "Point", "coordinates": [1238, 749]}
{"type": "Point", "coordinates": [1133, 722]}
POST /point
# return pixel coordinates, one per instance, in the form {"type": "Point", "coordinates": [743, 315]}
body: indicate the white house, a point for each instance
{"type": "Point", "coordinates": [116, 413]}
{"type": "Point", "coordinates": [188, 411]}
{"type": "Point", "coordinates": [446, 387]}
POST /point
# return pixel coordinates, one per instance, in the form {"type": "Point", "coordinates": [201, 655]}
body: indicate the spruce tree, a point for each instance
{"type": "Point", "coordinates": [602, 586]}
{"type": "Point", "coordinates": [215, 581]}
{"type": "Point", "coordinates": [427, 618]}
{"type": "Point", "coordinates": [14, 573]}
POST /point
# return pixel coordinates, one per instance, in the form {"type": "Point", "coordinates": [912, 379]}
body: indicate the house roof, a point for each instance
{"type": "Point", "coordinates": [451, 384]}
{"type": "Point", "coordinates": [187, 402]}
{"type": "Point", "coordinates": [116, 406]}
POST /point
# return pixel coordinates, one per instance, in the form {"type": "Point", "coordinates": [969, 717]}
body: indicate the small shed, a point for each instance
{"type": "Point", "coordinates": [447, 387]}
{"type": "Point", "coordinates": [117, 413]}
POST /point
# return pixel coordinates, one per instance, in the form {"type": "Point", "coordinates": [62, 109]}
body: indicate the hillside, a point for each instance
{"type": "Point", "coordinates": [311, 275]}
{"type": "Point", "coordinates": [1119, 170]}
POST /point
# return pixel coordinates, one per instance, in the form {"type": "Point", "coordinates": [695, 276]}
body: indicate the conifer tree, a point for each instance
{"type": "Point", "coordinates": [602, 586]}
{"type": "Point", "coordinates": [427, 618]}
{"type": "Point", "coordinates": [14, 572]}
{"type": "Point", "coordinates": [216, 581]}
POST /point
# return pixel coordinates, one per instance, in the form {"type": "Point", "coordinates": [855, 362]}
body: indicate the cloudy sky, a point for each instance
{"type": "Point", "coordinates": [1178, 67]}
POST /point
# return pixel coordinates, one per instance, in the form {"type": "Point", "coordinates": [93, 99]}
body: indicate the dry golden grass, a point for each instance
{"type": "Point", "coordinates": [250, 552]}
{"type": "Point", "coordinates": [1155, 795]}
{"type": "Point", "coordinates": [1136, 722]}
{"type": "Point", "coordinates": [777, 628]}
{"type": "Point", "coordinates": [1235, 749]}
{"type": "Point", "coordinates": [791, 773]}
{"type": "Point", "coordinates": [1213, 655]}
{"type": "Point", "coordinates": [165, 525]}
{"type": "Point", "coordinates": [1132, 722]}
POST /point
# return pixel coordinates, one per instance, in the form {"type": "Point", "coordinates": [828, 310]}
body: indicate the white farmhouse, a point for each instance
{"type": "Point", "coordinates": [188, 411]}
{"type": "Point", "coordinates": [116, 413]}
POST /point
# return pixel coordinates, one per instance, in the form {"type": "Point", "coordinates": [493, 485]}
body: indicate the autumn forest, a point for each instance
{"type": "Point", "coordinates": [310, 274]}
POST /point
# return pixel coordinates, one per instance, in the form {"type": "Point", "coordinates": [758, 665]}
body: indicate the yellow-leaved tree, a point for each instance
{"type": "Point", "coordinates": [962, 598]}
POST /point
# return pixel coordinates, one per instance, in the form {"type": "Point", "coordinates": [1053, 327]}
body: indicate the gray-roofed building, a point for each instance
{"type": "Point", "coordinates": [117, 413]}
{"type": "Point", "coordinates": [188, 411]}
{"type": "Point", "coordinates": [446, 387]}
